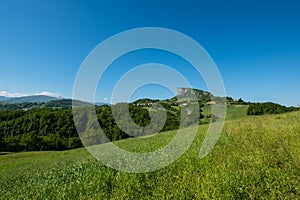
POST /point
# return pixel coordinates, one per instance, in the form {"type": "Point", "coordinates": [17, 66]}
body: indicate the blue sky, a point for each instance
{"type": "Point", "coordinates": [255, 44]}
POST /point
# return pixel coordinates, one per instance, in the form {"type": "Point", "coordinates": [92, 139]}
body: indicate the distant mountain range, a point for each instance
{"type": "Point", "coordinates": [3, 98]}
{"type": "Point", "coordinates": [27, 99]}
{"type": "Point", "coordinates": [39, 101]}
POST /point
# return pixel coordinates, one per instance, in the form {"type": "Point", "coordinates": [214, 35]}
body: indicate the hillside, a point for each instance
{"type": "Point", "coordinates": [58, 103]}
{"type": "Point", "coordinates": [257, 157]}
{"type": "Point", "coordinates": [2, 98]}
{"type": "Point", "coordinates": [31, 99]}
{"type": "Point", "coordinates": [64, 103]}
{"type": "Point", "coordinates": [41, 101]}
{"type": "Point", "coordinates": [50, 126]}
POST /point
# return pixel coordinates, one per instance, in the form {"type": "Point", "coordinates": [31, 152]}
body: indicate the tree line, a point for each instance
{"type": "Point", "coordinates": [40, 129]}
{"type": "Point", "coordinates": [268, 108]}
{"type": "Point", "coordinates": [54, 129]}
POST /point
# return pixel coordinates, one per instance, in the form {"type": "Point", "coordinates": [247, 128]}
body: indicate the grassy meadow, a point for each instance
{"type": "Point", "coordinates": [256, 157]}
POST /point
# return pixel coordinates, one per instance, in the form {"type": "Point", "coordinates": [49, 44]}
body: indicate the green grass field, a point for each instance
{"type": "Point", "coordinates": [255, 158]}
{"type": "Point", "coordinates": [232, 112]}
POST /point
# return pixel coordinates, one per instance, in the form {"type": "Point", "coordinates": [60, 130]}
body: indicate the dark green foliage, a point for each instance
{"type": "Point", "coordinates": [20, 106]}
{"type": "Point", "coordinates": [268, 108]}
{"type": "Point", "coordinates": [145, 102]}
{"type": "Point", "coordinates": [35, 127]}
{"type": "Point", "coordinates": [239, 101]}
{"type": "Point", "coordinates": [139, 115]}
{"type": "Point", "coordinates": [49, 125]}
{"type": "Point", "coordinates": [42, 129]}
{"type": "Point", "coordinates": [53, 128]}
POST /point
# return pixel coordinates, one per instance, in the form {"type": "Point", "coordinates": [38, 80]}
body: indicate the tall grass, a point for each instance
{"type": "Point", "coordinates": [255, 158]}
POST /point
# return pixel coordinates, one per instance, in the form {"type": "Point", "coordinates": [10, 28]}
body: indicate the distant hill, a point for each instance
{"type": "Point", "coordinates": [102, 104]}
{"type": "Point", "coordinates": [183, 94]}
{"type": "Point", "coordinates": [57, 103]}
{"type": "Point", "coordinates": [64, 103]}
{"type": "Point", "coordinates": [2, 98]}
{"type": "Point", "coordinates": [29, 99]}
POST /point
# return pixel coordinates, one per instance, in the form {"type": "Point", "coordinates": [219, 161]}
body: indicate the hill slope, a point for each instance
{"type": "Point", "coordinates": [255, 158]}
{"type": "Point", "coordinates": [2, 98]}
{"type": "Point", "coordinates": [64, 103]}
{"type": "Point", "coordinates": [32, 99]}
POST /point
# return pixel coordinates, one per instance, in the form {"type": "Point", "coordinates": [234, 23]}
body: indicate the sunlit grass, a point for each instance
{"type": "Point", "coordinates": [232, 111]}
{"type": "Point", "coordinates": [255, 158]}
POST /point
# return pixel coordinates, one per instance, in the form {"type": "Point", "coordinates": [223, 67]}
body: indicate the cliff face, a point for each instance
{"type": "Point", "coordinates": [185, 91]}
{"type": "Point", "coordinates": [202, 95]}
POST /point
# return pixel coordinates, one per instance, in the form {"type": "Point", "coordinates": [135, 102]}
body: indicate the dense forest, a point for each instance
{"type": "Point", "coordinates": [38, 129]}
{"type": "Point", "coordinates": [50, 125]}
{"type": "Point", "coordinates": [54, 129]}
{"type": "Point", "coordinates": [268, 108]}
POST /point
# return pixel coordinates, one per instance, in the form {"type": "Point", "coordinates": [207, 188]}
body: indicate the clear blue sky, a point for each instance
{"type": "Point", "coordinates": [255, 44]}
